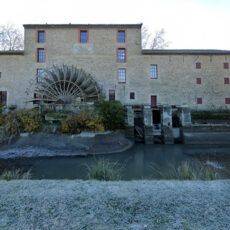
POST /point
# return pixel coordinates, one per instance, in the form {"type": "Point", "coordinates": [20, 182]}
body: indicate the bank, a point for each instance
{"type": "Point", "coordinates": [54, 145]}
{"type": "Point", "coordinates": [76, 204]}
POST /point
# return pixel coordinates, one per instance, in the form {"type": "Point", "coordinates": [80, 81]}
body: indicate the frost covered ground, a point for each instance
{"type": "Point", "coordinates": [63, 204]}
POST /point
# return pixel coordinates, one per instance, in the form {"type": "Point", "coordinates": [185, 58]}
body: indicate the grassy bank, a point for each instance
{"type": "Point", "coordinates": [48, 204]}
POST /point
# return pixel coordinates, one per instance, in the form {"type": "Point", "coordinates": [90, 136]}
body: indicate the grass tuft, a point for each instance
{"type": "Point", "coordinates": [15, 174]}
{"type": "Point", "coordinates": [104, 170]}
{"type": "Point", "coordinates": [185, 171]}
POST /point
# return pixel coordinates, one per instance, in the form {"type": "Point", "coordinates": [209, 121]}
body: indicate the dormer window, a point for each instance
{"type": "Point", "coordinates": [83, 36]}
{"type": "Point", "coordinates": [41, 36]}
{"type": "Point", "coordinates": [121, 36]}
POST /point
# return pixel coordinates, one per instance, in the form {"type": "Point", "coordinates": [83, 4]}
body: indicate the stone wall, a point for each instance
{"type": "Point", "coordinates": [175, 85]}
{"type": "Point", "coordinates": [207, 135]}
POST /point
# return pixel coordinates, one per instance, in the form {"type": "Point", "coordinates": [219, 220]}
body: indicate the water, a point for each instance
{"type": "Point", "coordinates": [135, 163]}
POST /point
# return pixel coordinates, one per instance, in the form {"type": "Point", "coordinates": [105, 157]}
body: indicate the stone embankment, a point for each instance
{"type": "Point", "coordinates": [49, 145]}
{"type": "Point", "coordinates": [218, 134]}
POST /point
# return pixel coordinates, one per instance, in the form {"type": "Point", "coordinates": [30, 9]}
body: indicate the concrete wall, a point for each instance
{"type": "Point", "coordinates": [176, 83]}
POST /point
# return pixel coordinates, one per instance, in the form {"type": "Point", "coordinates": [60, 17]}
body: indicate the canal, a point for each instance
{"type": "Point", "coordinates": [139, 162]}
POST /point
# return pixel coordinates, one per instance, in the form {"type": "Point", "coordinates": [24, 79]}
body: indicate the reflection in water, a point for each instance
{"type": "Point", "coordinates": [135, 162]}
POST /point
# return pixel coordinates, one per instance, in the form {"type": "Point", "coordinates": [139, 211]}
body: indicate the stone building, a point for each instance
{"type": "Point", "coordinates": [113, 55]}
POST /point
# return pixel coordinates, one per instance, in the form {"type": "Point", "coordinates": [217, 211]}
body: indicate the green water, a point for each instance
{"type": "Point", "coordinates": [134, 163]}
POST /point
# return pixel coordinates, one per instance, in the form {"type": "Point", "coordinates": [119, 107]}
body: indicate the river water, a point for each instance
{"type": "Point", "coordinates": [135, 163]}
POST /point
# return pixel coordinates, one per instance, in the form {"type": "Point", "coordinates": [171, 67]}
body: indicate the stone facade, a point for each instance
{"type": "Point", "coordinates": [177, 74]}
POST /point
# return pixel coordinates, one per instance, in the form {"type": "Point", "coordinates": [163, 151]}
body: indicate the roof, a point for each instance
{"type": "Point", "coordinates": [32, 26]}
{"type": "Point", "coordinates": [185, 52]}
{"type": "Point", "coordinates": [11, 52]}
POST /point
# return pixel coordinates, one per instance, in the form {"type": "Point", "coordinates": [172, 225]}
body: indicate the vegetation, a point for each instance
{"type": "Point", "coordinates": [12, 125]}
{"type": "Point", "coordinates": [211, 115]}
{"type": "Point", "coordinates": [58, 116]}
{"type": "Point", "coordinates": [112, 114]}
{"type": "Point", "coordinates": [85, 120]}
{"type": "Point", "coordinates": [104, 170]}
{"type": "Point", "coordinates": [185, 171]}
{"type": "Point", "coordinates": [29, 120]}
{"type": "Point", "coordinates": [1, 115]}
{"type": "Point", "coordinates": [105, 115]}
{"type": "Point", "coordinates": [2, 120]}
{"type": "Point", "coordinates": [11, 37]}
{"type": "Point", "coordinates": [15, 174]}
{"type": "Point", "coordinates": [12, 107]}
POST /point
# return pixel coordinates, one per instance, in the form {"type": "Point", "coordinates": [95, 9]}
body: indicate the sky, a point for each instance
{"type": "Point", "coordinates": [189, 24]}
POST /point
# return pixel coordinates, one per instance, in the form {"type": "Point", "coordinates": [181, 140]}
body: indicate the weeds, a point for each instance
{"type": "Point", "coordinates": [15, 174]}
{"type": "Point", "coordinates": [104, 170]}
{"type": "Point", "coordinates": [185, 171]}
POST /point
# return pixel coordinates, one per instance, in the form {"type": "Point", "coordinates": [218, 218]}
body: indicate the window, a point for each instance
{"type": "Point", "coordinates": [226, 81]}
{"type": "Point", "coordinates": [40, 74]}
{"type": "Point", "coordinates": [3, 97]}
{"type": "Point", "coordinates": [83, 36]}
{"type": "Point", "coordinates": [198, 65]}
{"type": "Point", "coordinates": [121, 36]}
{"type": "Point", "coordinates": [153, 100]}
{"type": "Point", "coordinates": [41, 56]}
{"type": "Point", "coordinates": [198, 81]}
{"type": "Point", "coordinates": [111, 95]}
{"type": "Point", "coordinates": [41, 37]}
{"type": "Point", "coordinates": [226, 65]}
{"type": "Point", "coordinates": [153, 72]}
{"type": "Point", "coordinates": [121, 55]}
{"type": "Point", "coordinates": [199, 100]}
{"type": "Point", "coordinates": [227, 101]}
{"type": "Point", "coordinates": [121, 75]}
{"type": "Point", "coordinates": [132, 95]}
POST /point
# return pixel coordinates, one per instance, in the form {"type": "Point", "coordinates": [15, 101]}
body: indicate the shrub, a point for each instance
{"type": "Point", "coordinates": [56, 116]}
{"type": "Point", "coordinates": [185, 171]}
{"type": "Point", "coordinates": [23, 121]}
{"type": "Point", "coordinates": [15, 174]}
{"type": "Point", "coordinates": [112, 114]}
{"type": "Point", "coordinates": [85, 120]}
{"type": "Point", "coordinates": [211, 115]}
{"type": "Point", "coordinates": [2, 120]}
{"type": "Point", "coordinates": [12, 124]}
{"type": "Point", "coordinates": [12, 107]}
{"type": "Point", "coordinates": [1, 108]}
{"type": "Point", "coordinates": [30, 120]}
{"type": "Point", "coordinates": [104, 170]}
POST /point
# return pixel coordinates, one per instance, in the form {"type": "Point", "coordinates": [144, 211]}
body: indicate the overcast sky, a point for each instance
{"type": "Point", "coordinates": [188, 23]}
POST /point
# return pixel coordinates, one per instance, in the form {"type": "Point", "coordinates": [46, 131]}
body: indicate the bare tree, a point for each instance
{"type": "Point", "coordinates": [156, 41]}
{"type": "Point", "coordinates": [11, 37]}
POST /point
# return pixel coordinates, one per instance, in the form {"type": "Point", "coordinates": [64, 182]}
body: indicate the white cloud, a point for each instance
{"type": "Point", "coordinates": [188, 23]}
